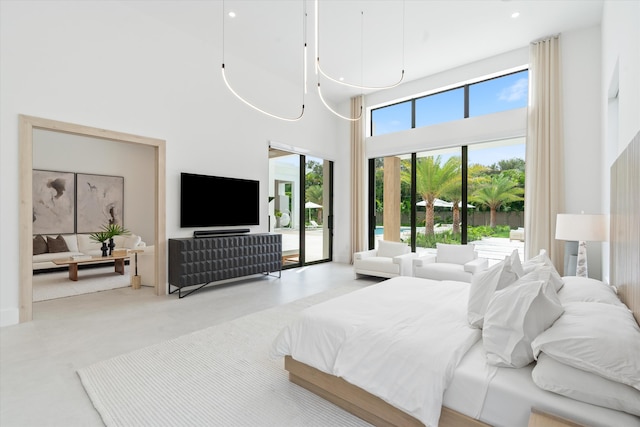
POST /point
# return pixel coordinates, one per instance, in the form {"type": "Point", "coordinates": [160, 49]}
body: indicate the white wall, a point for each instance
{"type": "Point", "coordinates": [134, 162]}
{"type": "Point", "coordinates": [620, 69]}
{"type": "Point", "coordinates": [581, 55]}
{"type": "Point", "coordinates": [114, 66]}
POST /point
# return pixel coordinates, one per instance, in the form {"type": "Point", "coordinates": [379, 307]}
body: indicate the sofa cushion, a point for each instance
{"type": "Point", "coordinates": [127, 242]}
{"type": "Point", "coordinates": [443, 271]}
{"type": "Point", "coordinates": [378, 264]}
{"type": "Point", "coordinates": [455, 254]}
{"type": "Point", "coordinates": [39, 245]}
{"type": "Point", "coordinates": [391, 249]}
{"type": "Point", "coordinates": [57, 245]}
{"type": "Point", "coordinates": [86, 245]}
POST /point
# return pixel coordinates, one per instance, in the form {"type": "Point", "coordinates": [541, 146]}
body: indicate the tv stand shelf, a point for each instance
{"type": "Point", "coordinates": [203, 260]}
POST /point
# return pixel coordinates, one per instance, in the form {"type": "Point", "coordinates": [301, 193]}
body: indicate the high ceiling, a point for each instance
{"type": "Point", "coordinates": [371, 42]}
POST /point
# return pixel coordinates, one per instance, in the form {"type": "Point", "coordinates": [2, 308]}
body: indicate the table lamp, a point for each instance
{"type": "Point", "coordinates": [582, 228]}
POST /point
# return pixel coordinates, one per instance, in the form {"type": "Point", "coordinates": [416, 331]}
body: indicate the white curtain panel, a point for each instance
{"type": "Point", "coordinates": [358, 179]}
{"type": "Point", "coordinates": [544, 189]}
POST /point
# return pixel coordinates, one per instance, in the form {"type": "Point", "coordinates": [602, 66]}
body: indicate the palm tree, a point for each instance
{"type": "Point", "coordinates": [432, 180]}
{"type": "Point", "coordinates": [500, 189]}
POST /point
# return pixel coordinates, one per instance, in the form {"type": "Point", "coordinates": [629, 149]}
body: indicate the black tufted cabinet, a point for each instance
{"type": "Point", "coordinates": [202, 260]}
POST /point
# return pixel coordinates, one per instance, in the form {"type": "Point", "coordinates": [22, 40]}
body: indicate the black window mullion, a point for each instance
{"type": "Point", "coordinates": [372, 203]}
{"type": "Point", "coordinates": [465, 186]}
{"type": "Point", "coordinates": [414, 200]}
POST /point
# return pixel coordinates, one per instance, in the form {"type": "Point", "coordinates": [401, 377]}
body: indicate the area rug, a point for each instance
{"type": "Point", "coordinates": [47, 286]}
{"type": "Point", "coordinates": [219, 376]}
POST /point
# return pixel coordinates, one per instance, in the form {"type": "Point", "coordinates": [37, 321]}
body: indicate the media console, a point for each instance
{"type": "Point", "coordinates": [203, 260]}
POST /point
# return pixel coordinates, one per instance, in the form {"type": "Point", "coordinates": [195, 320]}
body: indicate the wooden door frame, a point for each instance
{"type": "Point", "coordinates": [26, 126]}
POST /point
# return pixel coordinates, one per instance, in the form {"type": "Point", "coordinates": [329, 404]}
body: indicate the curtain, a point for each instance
{"type": "Point", "coordinates": [544, 188]}
{"type": "Point", "coordinates": [358, 180]}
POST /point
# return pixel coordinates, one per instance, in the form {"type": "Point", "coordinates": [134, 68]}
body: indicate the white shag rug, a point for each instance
{"type": "Point", "coordinates": [219, 376]}
{"type": "Point", "coordinates": [47, 286]}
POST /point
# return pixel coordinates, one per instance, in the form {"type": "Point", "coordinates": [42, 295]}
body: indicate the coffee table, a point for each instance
{"type": "Point", "coordinates": [73, 263]}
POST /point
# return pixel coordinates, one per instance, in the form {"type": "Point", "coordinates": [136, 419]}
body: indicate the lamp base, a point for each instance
{"type": "Point", "coordinates": [581, 266]}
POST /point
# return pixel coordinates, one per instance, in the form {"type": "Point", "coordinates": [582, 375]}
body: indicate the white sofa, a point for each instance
{"type": "Point", "coordinates": [391, 259]}
{"type": "Point", "coordinates": [450, 262]}
{"type": "Point", "coordinates": [81, 244]}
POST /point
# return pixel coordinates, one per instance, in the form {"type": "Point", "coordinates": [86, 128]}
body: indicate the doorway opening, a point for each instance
{"type": "Point", "coordinates": [27, 125]}
{"type": "Point", "coordinates": [301, 206]}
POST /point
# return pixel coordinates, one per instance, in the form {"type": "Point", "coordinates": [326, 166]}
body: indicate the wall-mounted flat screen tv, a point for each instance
{"type": "Point", "coordinates": [213, 201]}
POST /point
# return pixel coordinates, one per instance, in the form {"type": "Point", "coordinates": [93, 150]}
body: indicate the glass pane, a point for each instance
{"type": "Point", "coordinates": [439, 195]}
{"type": "Point", "coordinates": [393, 118]}
{"type": "Point", "coordinates": [440, 107]}
{"type": "Point", "coordinates": [284, 203]}
{"type": "Point", "coordinates": [393, 199]}
{"type": "Point", "coordinates": [317, 210]}
{"type": "Point", "coordinates": [496, 190]}
{"type": "Point", "coordinates": [499, 94]}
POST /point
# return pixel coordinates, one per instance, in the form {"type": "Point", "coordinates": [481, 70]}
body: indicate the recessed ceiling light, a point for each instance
{"type": "Point", "coordinates": [515, 14]}
{"type": "Point", "coordinates": [341, 79]}
{"type": "Point", "coordinates": [232, 14]}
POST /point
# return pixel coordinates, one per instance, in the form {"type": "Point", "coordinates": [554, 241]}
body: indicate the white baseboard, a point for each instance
{"type": "Point", "coordinates": [9, 316]}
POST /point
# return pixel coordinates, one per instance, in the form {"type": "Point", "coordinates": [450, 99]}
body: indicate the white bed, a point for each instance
{"type": "Point", "coordinates": [381, 339]}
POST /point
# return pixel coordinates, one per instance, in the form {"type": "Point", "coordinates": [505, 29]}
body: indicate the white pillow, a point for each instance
{"type": "Point", "coordinates": [482, 287]}
{"type": "Point", "coordinates": [455, 254]}
{"type": "Point", "coordinates": [391, 249]}
{"type": "Point", "coordinates": [542, 260]}
{"type": "Point", "coordinates": [515, 316]}
{"type": "Point", "coordinates": [514, 264]}
{"type": "Point", "coordinates": [577, 289]}
{"type": "Point", "coordinates": [600, 338]}
{"type": "Point", "coordinates": [551, 375]}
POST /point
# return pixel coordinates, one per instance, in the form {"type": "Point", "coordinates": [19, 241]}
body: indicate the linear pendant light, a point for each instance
{"type": "Point", "coordinates": [319, 69]}
{"type": "Point", "coordinates": [304, 66]}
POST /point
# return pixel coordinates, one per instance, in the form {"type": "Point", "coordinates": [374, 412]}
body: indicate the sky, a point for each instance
{"type": "Point", "coordinates": [491, 96]}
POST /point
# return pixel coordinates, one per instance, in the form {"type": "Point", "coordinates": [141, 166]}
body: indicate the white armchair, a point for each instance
{"type": "Point", "coordinates": [451, 262]}
{"type": "Point", "coordinates": [391, 259]}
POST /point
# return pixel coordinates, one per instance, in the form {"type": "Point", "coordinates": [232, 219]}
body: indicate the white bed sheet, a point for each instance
{"type": "Point", "coordinates": [392, 353]}
{"type": "Point", "coordinates": [503, 397]}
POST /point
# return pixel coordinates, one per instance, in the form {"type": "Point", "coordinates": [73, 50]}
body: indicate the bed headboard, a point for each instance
{"type": "Point", "coordinates": [625, 226]}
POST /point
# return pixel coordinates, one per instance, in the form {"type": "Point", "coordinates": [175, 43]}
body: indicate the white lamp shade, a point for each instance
{"type": "Point", "coordinates": [582, 227]}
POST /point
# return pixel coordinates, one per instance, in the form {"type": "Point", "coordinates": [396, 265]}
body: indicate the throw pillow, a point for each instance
{"type": "Point", "coordinates": [39, 245]}
{"type": "Point", "coordinates": [391, 249]}
{"type": "Point", "coordinates": [515, 316]}
{"type": "Point", "coordinates": [57, 245]}
{"type": "Point", "coordinates": [600, 338]}
{"type": "Point", "coordinates": [482, 287]}
{"type": "Point", "coordinates": [542, 260]}
{"type": "Point", "coordinates": [455, 254]}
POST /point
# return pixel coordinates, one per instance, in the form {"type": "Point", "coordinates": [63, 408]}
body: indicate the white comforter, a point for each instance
{"type": "Point", "coordinates": [400, 340]}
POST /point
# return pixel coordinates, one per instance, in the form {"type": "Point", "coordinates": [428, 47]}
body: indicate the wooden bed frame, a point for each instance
{"type": "Point", "coordinates": [624, 253]}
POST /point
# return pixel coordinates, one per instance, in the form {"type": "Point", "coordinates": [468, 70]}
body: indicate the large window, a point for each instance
{"type": "Point", "coordinates": [489, 96]}
{"type": "Point", "coordinates": [469, 194]}
{"type": "Point", "coordinates": [440, 107]}
{"type": "Point", "coordinates": [499, 94]}
{"type": "Point", "coordinates": [393, 118]}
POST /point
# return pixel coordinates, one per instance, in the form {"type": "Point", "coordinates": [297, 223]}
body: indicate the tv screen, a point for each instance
{"type": "Point", "coordinates": [210, 201]}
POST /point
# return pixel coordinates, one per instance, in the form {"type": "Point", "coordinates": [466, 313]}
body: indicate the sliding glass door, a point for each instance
{"type": "Point", "coordinates": [468, 194]}
{"type": "Point", "coordinates": [300, 206]}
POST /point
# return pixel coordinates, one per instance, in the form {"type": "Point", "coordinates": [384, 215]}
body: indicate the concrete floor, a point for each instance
{"type": "Point", "coordinates": [38, 360]}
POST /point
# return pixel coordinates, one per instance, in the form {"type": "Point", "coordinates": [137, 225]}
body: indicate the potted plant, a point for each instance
{"type": "Point", "coordinates": [107, 233]}
{"type": "Point", "coordinates": [114, 230]}
{"type": "Point", "coordinates": [101, 237]}
{"type": "Point", "coordinates": [278, 215]}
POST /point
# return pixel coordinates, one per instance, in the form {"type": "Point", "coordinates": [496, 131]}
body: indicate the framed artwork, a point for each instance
{"type": "Point", "coordinates": [53, 202]}
{"type": "Point", "coordinates": [99, 201]}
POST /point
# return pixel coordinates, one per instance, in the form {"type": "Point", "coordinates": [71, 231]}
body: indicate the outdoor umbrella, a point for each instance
{"type": "Point", "coordinates": [311, 205]}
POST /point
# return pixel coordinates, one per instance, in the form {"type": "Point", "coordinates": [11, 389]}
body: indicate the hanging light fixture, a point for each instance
{"type": "Point", "coordinates": [319, 69]}
{"type": "Point", "coordinates": [304, 69]}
